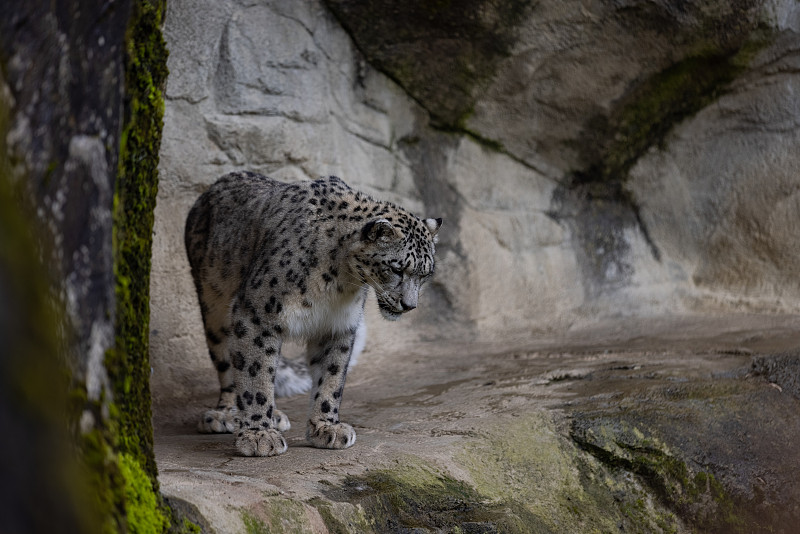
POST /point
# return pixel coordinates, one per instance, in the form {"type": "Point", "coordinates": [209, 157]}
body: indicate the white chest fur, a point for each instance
{"type": "Point", "coordinates": [333, 313]}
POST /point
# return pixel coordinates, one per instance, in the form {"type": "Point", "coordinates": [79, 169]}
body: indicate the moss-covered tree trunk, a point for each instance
{"type": "Point", "coordinates": [81, 109]}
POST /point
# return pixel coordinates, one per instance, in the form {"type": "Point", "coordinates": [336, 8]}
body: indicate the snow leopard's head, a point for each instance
{"type": "Point", "coordinates": [396, 257]}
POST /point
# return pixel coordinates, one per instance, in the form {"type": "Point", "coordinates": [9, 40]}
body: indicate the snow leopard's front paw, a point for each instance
{"type": "Point", "coordinates": [219, 421]}
{"type": "Point", "coordinates": [281, 421]}
{"type": "Point", "coordinates": [268, 442]}
{"type": "Point", "coordinates": [324, 435]}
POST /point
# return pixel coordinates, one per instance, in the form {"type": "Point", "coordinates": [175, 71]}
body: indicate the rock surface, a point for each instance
{"type": "Point", "coordinates": [619, 160]}
{"type": "Point", "coordinates": [643, 426]}
{"type": "Point", "coordinates": [62, 147]}
{"type": "Point", "coordinates": [592, 161]}
{"type": "Point", "coordinates": [80, 123]}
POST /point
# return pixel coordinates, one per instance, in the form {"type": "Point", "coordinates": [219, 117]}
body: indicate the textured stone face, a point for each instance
{"type": "Point", "coordinates": [556, 101]}
{"type": "Point", "coordinates": [442, 53]}
{"type": "Point", "coordinates": [80, 116]}
{"type": "Point", "coordinates": [64, 77]}
{"type": "Point", "coordinates": [581, 91]}
{"type": "Point", "coordinates": [598, 158]}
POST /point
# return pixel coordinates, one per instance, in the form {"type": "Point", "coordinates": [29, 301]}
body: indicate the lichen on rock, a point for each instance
{"type": "Point", "coordinates": [414, 495]}
{"type": "Point", "coordinates": [694, 446]}
{"type": "Point", "coordinates": [572, 491]}
{"type": "Point", "coordinates": [698, 497]}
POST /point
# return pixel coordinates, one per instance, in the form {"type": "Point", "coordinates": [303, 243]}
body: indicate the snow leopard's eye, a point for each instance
{"type": "Point", "coordinates": [397, 270]}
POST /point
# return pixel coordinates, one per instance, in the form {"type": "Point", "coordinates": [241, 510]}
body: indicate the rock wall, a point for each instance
{"type": "Point", "coordinates": [80, 127]}
{"type": "Point", "coordinates": [590, 159]}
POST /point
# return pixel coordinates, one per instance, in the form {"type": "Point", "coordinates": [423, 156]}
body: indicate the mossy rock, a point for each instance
{"type": "Point", "coordinates": [525, 477]}
{"type": "Point", "coordinates": [84, 150]}
{"type": "Point", "coordinates": [612, 143]}
{"type": "Point", "coordinates": [699, 497]}
{"type": "Point", "coordinates": [276, 515]}
{"type": "Point", "coordinates": [415, 497]}
{"type": "Point", "coordinates": [705, 450]}
{"type": "Point", "coordinates": [532, 464]}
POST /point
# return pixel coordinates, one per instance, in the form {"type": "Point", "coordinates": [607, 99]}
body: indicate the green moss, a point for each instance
{"type": "Point", "coordinates": [123, 491]}
{"type": "Point", "coordinates": [531, 465]}
{"type": "Point", "coordinates": [664, 100]}
{"type": "Point", "coordinates": [116, 453]}
{"type": "Point", "coordinates": [106, 480]}
{"type": "Point", "coordinates": [128, 363]}
{"type": "Point", "coordinates": [416, 496]}
{"type": "Point", "coordinates": [723, 515]}
{"type": "Point", "coordinates": [187, 527]}
{"type": "Point", "coordinates": [254, 525]}
{"type": "Point", "coordinates": [144, 514]}
{"type": "Point", "coordinates": [697, 497]}
{"type": "Point", "coordinates": [525, 476]}
{"type": "Point", "coordinates": [185, 517]}
{"type": "Point", "coordinates": [595, 199]}
{"type": "Point", "coordinates": [119, 452]}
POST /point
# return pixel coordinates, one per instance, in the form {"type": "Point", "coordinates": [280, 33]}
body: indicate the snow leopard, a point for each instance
{"type": "Point", "coordinates": [274, 261]}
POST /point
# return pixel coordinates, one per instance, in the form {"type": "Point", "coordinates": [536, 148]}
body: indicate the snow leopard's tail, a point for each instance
{"type": "Point", "coordinates": [292, 376]}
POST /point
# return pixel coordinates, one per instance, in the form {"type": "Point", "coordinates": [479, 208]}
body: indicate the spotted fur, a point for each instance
{"type": "Point", "coordinates": [274, 261]}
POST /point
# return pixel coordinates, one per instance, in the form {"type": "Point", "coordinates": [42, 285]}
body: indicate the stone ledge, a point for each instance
{"type": "Point", "coordinates": [512, 440]}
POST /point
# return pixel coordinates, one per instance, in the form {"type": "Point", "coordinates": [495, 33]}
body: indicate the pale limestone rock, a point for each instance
{"type": "Point", "coordinates": [705, 217]}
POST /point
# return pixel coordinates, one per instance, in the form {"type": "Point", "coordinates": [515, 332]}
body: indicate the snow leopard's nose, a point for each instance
{"type": "Point", "coordinates": [409, 294]}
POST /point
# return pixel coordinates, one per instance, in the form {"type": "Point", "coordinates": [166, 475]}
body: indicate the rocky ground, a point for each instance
{"type": "Point", "coordinates": [670, 425]}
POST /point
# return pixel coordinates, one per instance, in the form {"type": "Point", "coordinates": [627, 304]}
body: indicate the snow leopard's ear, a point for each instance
{"type": "Point", "coordinates": [434, 225]}
{"type": "Point", "coordinates": [380, 230]}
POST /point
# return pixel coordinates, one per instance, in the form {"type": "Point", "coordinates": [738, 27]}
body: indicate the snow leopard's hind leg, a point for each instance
{"type": "Point", "coordinates": [216, 319]}
{"type": "Point", "coordinates": [218, 329]}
